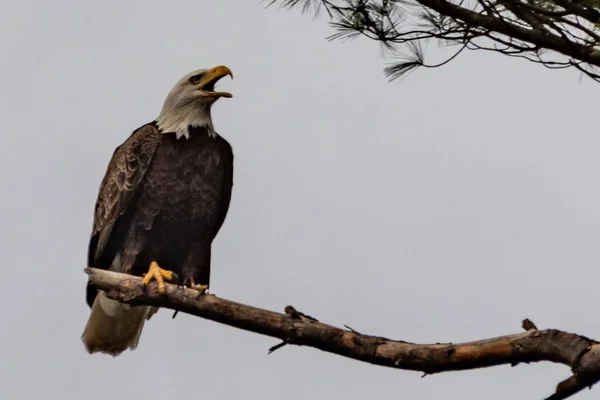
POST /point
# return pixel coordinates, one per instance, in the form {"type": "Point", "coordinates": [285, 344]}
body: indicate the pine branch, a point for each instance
{"type": "Point", "coordinates": [581, 354]}
{"type": "Point", "coordinates": [541, 38]}
{"type": "Point", "coordinates": [555, 33]}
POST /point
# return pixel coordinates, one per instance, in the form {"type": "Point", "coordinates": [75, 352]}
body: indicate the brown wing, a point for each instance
{"type": "Point", "coordinates": [125, 171]}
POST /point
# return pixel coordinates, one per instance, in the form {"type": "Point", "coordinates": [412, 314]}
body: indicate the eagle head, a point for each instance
{"type": "Point", "coordinates": [188, 103]}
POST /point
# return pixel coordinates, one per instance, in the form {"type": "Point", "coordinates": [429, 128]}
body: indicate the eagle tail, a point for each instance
{"type": "Point", "coordinates": [113, 327]}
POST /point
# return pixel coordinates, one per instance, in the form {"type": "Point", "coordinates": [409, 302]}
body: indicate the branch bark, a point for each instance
{"type": "Point", "coordinates": [581, 354]}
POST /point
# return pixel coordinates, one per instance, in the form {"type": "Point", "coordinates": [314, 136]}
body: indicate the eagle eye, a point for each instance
{"type": "Point", "coordinates": [196, 79]}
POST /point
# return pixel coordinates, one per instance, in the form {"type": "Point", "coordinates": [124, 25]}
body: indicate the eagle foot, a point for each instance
{"type": "Point", "coordinates": [203, 289]}
{"type": "Point", "coordinates": [159, 275]}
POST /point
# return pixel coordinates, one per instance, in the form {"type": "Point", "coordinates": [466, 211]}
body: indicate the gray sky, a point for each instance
{"type": "Point", "coordinates": [447, 207]}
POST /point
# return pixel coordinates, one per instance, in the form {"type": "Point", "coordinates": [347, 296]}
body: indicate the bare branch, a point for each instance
{"type": "Point", "coordinates": [581, 354]}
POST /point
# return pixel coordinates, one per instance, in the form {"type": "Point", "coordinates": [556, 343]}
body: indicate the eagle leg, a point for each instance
{"type": "Point", "coordinates": [159, 275]}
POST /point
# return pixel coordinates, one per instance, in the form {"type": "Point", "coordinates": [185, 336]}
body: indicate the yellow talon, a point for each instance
{"type": "Point", "coordinates": [201, 288]}
{"type": "Point", "coordinates": [189, 282]}
{"type": "Point", "coordinates": [159, 275]}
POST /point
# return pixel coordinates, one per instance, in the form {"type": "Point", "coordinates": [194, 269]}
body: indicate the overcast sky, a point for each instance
{"type": "Point", "coordinates": [447, 207]}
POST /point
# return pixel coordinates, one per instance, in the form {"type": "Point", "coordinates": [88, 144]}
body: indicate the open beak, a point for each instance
{"type": "Point", "coordinates": [212, 76]}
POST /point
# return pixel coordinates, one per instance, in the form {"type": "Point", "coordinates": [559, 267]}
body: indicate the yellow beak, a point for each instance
{"type": "Point", "coordinates": [212, 76]}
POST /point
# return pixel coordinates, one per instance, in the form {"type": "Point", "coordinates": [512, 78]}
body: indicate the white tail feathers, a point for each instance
{"type": "Point", "coordinates": [113, 327]}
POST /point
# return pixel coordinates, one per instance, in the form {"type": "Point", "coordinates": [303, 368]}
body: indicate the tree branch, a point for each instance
{"type": "Point", "coordinates": [570, 28]}
{"type": "Point", "coordinates": [543, 39]}
{"type": "Point", "coordinates": [581, 354]}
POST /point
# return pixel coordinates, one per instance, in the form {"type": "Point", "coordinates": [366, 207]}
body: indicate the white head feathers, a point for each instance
{"type": "Point", "coordinates": [190, 100]}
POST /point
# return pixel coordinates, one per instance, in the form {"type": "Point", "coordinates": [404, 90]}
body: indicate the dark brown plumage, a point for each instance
{"type": "Point", "coordinates": [162, 199]}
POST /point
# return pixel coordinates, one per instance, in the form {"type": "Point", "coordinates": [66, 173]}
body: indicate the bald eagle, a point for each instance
{"type": "Point", "coordinates": [163, 199]}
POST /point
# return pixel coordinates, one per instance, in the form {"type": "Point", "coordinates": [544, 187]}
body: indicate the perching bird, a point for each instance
{"type": "Point", "coordinates": [161, 203]}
